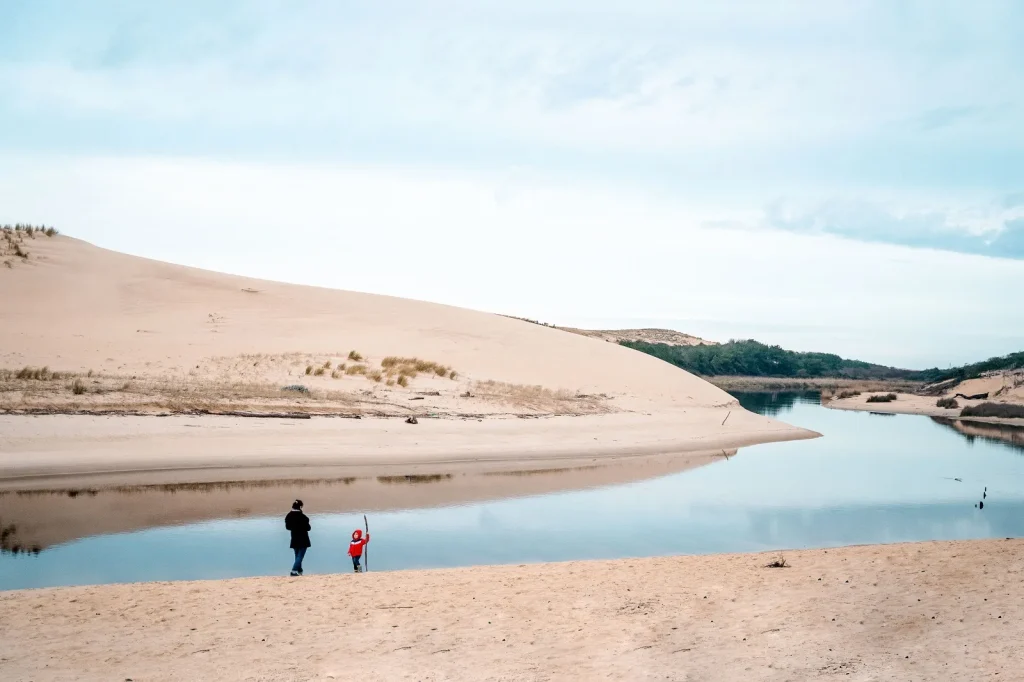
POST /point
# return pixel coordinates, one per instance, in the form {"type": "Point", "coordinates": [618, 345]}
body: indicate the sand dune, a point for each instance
{"type": "Point", "coordinates": [931, 611]}
{"type": "Point", "coordinates": [129, 334]}
{"type": "Point", "coordinates": [79, 307]}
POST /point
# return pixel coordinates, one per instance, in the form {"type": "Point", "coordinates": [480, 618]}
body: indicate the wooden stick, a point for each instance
{"type": "Point", "coordinates": [366, 550]}
{"type": "Point", "coordinates": [726, 418]}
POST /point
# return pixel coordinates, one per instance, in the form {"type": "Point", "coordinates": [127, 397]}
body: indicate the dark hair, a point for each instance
{"type": "Point", "coordinates": [297, 504]}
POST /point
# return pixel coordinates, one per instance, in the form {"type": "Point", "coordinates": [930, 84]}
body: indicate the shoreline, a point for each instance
{"type": "Point", "coordinates": [756, 384]}
{"type": "Point", "coordinates": [923, 406]}
{"type": "Point", "coordinates": [931, 610]}
{"type": "Point", "coordinates": [38, 452]}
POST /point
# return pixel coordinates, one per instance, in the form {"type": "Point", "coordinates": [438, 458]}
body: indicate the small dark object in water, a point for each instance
{"type": "Point", "coordinates": [984, 493]}
{"type": "Point", "coordinates": [981, 505]}
{"type": "Point", "coordinates": [412, 420]}
{"type": "Point", "coordinates": [882, 414]}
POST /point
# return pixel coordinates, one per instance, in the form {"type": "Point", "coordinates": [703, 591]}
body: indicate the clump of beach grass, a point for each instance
{"type": "Point", "coordinates": [413, 367]}
{"type": "Point", "coordinates": [352, 370]}
{"type": "Point", "coordinates": [78, 387]}
{"type": "Point", "coordinates": [309, 369]}
{"type": "Point", "coordinates": [883, 398]}
{"type": "Point", "coordinates": [403, 381]}
{"type": "Point", "coordinates": [998, 410]}
{"type": "Point", "coordinates": [355, 356]}
{"type": "Point", "coordinates": [319, 372]}
{"type": "Point", "coordinates": [947, 403]}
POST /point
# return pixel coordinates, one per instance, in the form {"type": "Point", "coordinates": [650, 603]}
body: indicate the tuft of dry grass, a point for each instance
{"type": "Point", "coordinates": [403, 381]}
{"type": "Point", "coordinates": [779, 562]}
{"type": "Point", "coordinates": [947, 403]}
{"type": "Point", "coordinates": [309, 369]}
{"type": "Point", "coordinates": [352, 370]}
{"type": "Point", "coordinates": [335, 374]}
{"type": "Point", "coordinates": [375, 375]}
{"type": "Point", "coordinates": [327, 365]}
{"type": "Point", "coordinates": [413, 367]}
{"type": "Point", "coordinates": [847, 394]}
{"type": "Point", "coordinates": [999, 410]}
{"type": "Point", "coordinates": [884, 398]}
{"type": "Point", "coordinates": [319, 372]}
{"type": "Point", "coordinates": [78, 387]}
{"type": "Point", "coordinates": [355, 356]}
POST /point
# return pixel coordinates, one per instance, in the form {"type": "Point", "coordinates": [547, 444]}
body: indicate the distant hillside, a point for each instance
{"type": "Point", "coordinates": [667, 337]}
{"type": "Point", "coordinates": [975, 370]}
{"type": "Point", "coordinates": [752, 358]}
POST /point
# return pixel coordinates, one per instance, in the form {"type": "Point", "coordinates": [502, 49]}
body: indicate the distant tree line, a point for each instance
{"type": "Point", "coordinates": [1003, 362]}
{"type": "Point", "coordinates": [752, 358]}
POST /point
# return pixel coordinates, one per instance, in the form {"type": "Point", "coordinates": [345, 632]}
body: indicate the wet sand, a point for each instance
{"type": "Point", "coordinates": [928, 611]}
{"type": "Point", "coordinates": [49, 451]}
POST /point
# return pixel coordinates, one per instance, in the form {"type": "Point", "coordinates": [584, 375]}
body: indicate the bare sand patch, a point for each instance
{"type": "Point", "coordinates": [931, 611]}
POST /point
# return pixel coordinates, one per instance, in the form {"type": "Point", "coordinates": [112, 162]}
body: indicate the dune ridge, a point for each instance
{"type": "Point", "coordinates": [102, 332]}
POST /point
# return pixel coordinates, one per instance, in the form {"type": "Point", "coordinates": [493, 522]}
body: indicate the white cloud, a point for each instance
{"type": "Point", "coordinates": [561, 253]}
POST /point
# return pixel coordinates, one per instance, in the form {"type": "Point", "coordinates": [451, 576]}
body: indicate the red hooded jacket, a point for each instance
{"type": "Point", "coordinates": [355, 548]}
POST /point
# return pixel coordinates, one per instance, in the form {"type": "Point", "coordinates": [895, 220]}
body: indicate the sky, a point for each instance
{"type": "Point", "coordinates": [844, 176]}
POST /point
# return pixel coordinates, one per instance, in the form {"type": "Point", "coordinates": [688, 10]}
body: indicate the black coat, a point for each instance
{"type": "Point", "coordinates": [298, 524]}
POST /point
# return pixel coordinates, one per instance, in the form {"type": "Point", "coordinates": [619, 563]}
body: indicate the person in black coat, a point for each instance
{"type": "Point", "coordinates": [298, 524]}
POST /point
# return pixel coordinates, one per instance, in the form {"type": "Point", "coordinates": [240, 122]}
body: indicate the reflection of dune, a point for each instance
{"type": "Point", "coordinates": [48, 517]}
{"type": "Point", "coordinates": [1003, 434]}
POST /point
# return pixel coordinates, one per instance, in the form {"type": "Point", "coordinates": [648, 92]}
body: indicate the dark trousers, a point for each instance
{"type": "Point", "coordinates": [299, 553]}
{"type": "Point", "coordinates": [355, 562]}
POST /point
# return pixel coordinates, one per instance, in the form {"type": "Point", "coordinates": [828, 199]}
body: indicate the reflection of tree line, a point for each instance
{"type": "Point", "coordinates": [773, 403]}
{"type": "Point", "coordinates": [9, 541]}
{"type": "Point", "coordinates": [1000, 434]}
{"type": "Point", "coordinates": [226, 486]}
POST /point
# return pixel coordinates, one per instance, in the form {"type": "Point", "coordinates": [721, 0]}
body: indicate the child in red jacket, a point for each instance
{"type": "Point", "coordinates": [355, 548]}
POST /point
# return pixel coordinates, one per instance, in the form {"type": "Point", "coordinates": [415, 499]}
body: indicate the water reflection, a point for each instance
{"type": "Point", "coordinates": [867, 480]}
{"type": "Point", "coordinates": [38, 519]}
{"type": "Point", "coordinates": [776, 403]}
{"type": "Point", "coordinates": [1001, 434]}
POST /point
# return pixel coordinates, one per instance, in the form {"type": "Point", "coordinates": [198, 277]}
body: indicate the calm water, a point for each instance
{"type": "Point", "coordinates": [871, 479]}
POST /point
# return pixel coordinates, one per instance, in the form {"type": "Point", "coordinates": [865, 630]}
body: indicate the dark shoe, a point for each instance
{"type": "Point", "coordinates": [295, 574]}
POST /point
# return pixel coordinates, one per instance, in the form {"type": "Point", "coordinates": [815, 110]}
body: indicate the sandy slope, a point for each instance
{"type": "Point", "coordinates": [80, 307]}
{"type": "Point", "coordinates": [169, 339]}
{"type": "Point", "coordinates": [931, 611]}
